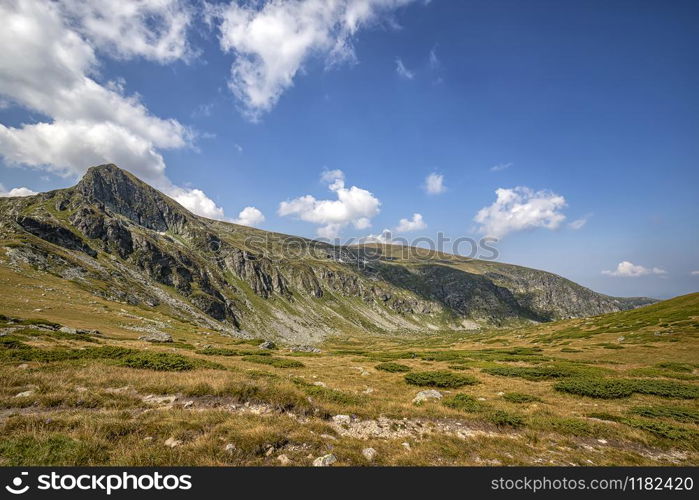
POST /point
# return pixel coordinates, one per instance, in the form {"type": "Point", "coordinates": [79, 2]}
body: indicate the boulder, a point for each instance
{"type": "Point", "coordinates": [172, 442]}
{"type": "Point", "coordinates": [325, 460]}
{"type": "Point", "coordinates": [267, 344]}
{"type": "Point", "coordinates": [157, 337]}
{"type": "Point", "coordinates": [428, 395]}
{"type": "Point", "coordinates": [304, 348]}
{"type": "Point", "coordinates": [369, 454]}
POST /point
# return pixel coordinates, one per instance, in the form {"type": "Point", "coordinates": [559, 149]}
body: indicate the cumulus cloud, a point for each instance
{"type": "Point", "coordinates": [626, 269]}
{"type": "Point", "coordinates": [18, 191]}
{"type": "Point", "coordinates": [272, 40]}
{"type": "Point", "coordinates": [500, 167]}
{"type": "Point", "coordinates": [518, 209]}
{"type": "Point", "coordinates": [402, 71]}
{"type": "Point", "coordinates": [153, 29]}
{"type": "Point", "coordinates": [353, 205]}
{"type": "Point", "coordinates": [414, 224]}
{"type": "Point", "coordinates": [250, 216]}
{"type": "Point", "coordinates": [51, 70]}
{"type": "Point", "coordinates": [434, 184]}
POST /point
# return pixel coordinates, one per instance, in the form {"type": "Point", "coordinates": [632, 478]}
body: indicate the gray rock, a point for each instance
{"type": "Point", "coordinates": [25, 394]}
{"type": "Point", "coordinates": [157, 337]}
{"type": "Point", "coordinates": [325, 460]}
{"type": "Point", "coordinates": [159, 400]}
{"type": "Point", "coordinates": [369, 454]}
{"type": "Point", "coordinates": [429, 395]}
{"type": "Point", "coordinates": [172, 442]}
{"type": "Point", "coordinates": [284, 460]}
{"type": "Point", "coordinates": [267, 344]}
{"type": "Point", "coordinates": [67, 329]}
{"type": "Point", "coordinates": [342, 419]}
{"type": "Point", "coordinates": [304, 348]}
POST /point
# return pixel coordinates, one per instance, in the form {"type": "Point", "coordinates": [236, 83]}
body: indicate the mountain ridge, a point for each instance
{"type": "Point", "coordinates": [126, 241]}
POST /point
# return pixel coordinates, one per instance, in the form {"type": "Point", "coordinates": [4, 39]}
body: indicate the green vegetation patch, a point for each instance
{"type": "Point", "coordinates": [622, 388]}
{"type": "Point", "coordinates": [440, 378]}
{"type": "Point", "coordinates": [506, 419]}
{"type": "Point", "coordinates": [392, 367]}
{"type": "Point", "coordinates": [520, 397]}
{"type": "Point", "coordinates": [271, 361]}
{"type": "Point", "coordinates": [464, 402]}
{"type": "Point", "coordinates": [218, 351]}
{"type": "Point", "coordinates": [671, 412]}
{"type": "Point", "coordinates": [51, 451]}
{"type": "Point", "coordinates": [534, 373]}
{"type": "Point", "coordinates": [159, 361]}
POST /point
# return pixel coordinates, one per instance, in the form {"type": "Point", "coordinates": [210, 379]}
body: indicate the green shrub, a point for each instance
{"type": "Point", "coordinates": [519, 397]}
{"type": "Point", "coordinates": [439, 379]}
{"type": "Point", "coordinates": [667, 389]}
{"type": "Point", "coordinates": [573, 426]}
{"type": "Point", "coordinates": [464, 402]}
{"type": "Point", "coordinates": [662, 429]}
{"type": "Point", "coordinates": [505, 419]}
{"type": "Point", "coordinates": [218, 351]}
{"type": "Point", "coordinates": [621, 388]}
{"type": "Point", "coordinates": [531, 372]}
{"type": "Point", "coordinates": [676, 367]}
{"type": "Point", "coordinates": [597, 388]}
{"type": "Point", "coordinates": [275, 362]}
{"type": "Point", "coordinates": [672, 412]}
{"type": "Point", "coordinates": [392, 367]}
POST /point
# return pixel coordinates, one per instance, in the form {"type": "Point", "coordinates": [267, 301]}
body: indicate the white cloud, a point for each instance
{"type": "Point", "coordinates": [578, 223]}
{"type": "Point", "coordinates": [384, 238]}
{"type": "Point", "coordinates": [250, 216]}
{"type": "Point", "coordinates": [434, 184]}
{"type": "Point", "coordinates": [18, 191]}
{"type": "Point", "coordinates": [500, 167]}
{"type": "Point", "coordinates": [626, 269]}
{"type": "Point", "coordinates": [51, 70]}
{"type": "Point", "coordinates": [435, 63]}
{"type": "Point", "coordinates": [519, 209]}
{"type": "Point", "coordinates": [153, 29]}
{"type": "Point", "coordinates": [414, 224]}
{"type": "Point", "coordinates": [694, 273]}
{"type": "Point", "coordinates": [196, 201]}
{"type": "Point", "coordinates": [272, 40]}
{"type": "Point", "coordinates": [402, 71]}
{"type": "Point", "coordinates": [353, 205]}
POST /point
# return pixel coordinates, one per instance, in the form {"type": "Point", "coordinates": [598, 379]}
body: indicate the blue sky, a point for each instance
{"type": "Point", "coordinates": [584, 115]}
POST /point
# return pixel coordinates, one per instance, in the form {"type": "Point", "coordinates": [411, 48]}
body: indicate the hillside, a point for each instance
{"type": "Point", "coordinates": [116, 239]}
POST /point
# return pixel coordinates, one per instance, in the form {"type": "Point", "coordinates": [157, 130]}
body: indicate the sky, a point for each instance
{"type": "Point", "coordinates": [567, 132]}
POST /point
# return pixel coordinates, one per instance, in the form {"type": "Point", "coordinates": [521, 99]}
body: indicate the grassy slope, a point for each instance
{"type": "Point", "coordinates": [86, 405]}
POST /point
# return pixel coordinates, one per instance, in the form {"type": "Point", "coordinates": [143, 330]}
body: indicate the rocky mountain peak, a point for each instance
{"type": "Point", "coordinates": [122, 193]}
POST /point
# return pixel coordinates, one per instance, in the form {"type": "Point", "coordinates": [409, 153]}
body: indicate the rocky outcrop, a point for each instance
{"type": "Point", "coordinates": [114, 189]}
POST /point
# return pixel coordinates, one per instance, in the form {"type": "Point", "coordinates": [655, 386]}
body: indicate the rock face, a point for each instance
{"type": "Point", "coordinates": [143, 248]}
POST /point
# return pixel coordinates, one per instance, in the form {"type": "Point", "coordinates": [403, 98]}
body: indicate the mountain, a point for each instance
{"type": "Point", "coordinates": [122, 240]}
